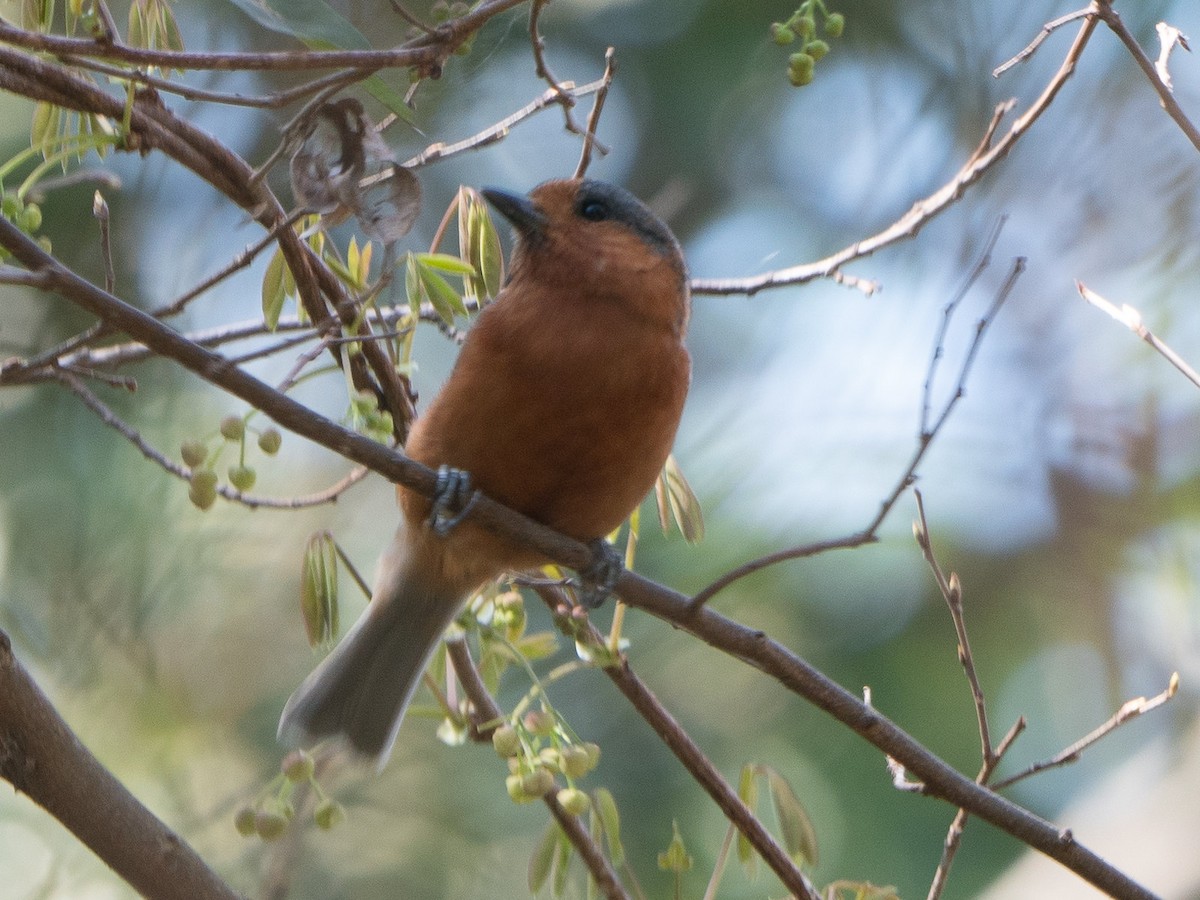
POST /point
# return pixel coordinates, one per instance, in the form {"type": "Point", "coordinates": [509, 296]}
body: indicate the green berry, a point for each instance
{"type": "Point", "coordinates": [816, 49]}
{"type": "Point", "coordinates": [232, 428]}
{"type": "Point", "coordinates": [781, 34]}
{"type": "Point", "coordinates": [297, 766]}
{"type": "Point", "coordinates": [30, 219]}
{"type": "Point", "coordinates": [806, 26]}
{"type": "Point", "coordinates": [800, 69]}
{"type": "Point", "coordinates": [574, 801]}
{"type": "Point", "coordinates": [328, 814]}
{"type": "Point", "coordinates": [242, 477]}
{"type": "Point", "coordinates": [834, 24]}
{"type": "Point", "coordinates": [518, 794]}
{"type": "Point", "coordinates": [506, 741]}
{"type": "Point", "coordinates": [575, 762]}
{"type": "Point", "coordinates": [244, 821]}
{"type": "Point", "coordinates": [539, 722]}
{"type": "Point", "coordinates": [537, 782]}
{"type": "Point", "coordinates": [269, 441]}
{"type": "Point", "coordinates": [270, 825]}
{"type": "Point", "coordinates": [194, 453]}
{"type": "Point", "coordinates": [203, 489]}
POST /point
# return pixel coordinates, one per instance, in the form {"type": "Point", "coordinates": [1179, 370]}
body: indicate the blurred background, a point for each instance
{"type": "Point", "coordinates": [1065, 489]}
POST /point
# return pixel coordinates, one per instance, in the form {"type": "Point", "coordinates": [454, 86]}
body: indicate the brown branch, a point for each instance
{"type": "Point", "coordinates": [42, 758]}
{"type": "Point", "coordinates": [424, 53]}
{"type": "Point", "coordinates": [487, 711]}
{"type": "Point", "coordinates": [564, 99]}
{"type": "Point", "coordinates": [739, 641]}
{"type": "Point", "coordinates": [979, 163]}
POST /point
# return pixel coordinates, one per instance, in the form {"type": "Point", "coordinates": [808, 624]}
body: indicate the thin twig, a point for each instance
{"type": "Point", "coordinates": [589, 137]}
{"type": "Point", "coordinates": [1129, 710]}
{"type": "Point", "coordinates": [951, 590]}
{"type": "Point", "coordinates": [1132, 319]}
{"type": "Point", "coordinates": [1047, 29]}
{"type": "Point", "coordinates": [927, 433]}
{"type": "Point", "coordinates": [564, 99]}
{"type": "Point", "coordinates": [1104, 9]}
{"type": "Point", "coordinates": [984, 158]}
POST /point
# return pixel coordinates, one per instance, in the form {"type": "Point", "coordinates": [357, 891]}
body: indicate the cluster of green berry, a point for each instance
{"type": "Point", "coordinates": [26, 216]}
{"type": "Point", "coordinates": [802, 26]}
{"type": "Point", "coordinates": [269, 815]}
{"type": "Point", "coordinates": [538, 750]}
{"type": "Point", "coordinates": [198, 457]}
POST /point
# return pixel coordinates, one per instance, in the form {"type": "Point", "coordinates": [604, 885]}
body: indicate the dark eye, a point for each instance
{"type": "Point", "coordinates": [594, 210]}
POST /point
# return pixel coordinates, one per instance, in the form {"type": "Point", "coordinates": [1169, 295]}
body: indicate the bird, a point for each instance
{"type": "Point", "coordinates": [563, 404]}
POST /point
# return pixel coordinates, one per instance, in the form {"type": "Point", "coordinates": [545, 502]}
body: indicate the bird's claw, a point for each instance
{"type": "Point", "coordinates": [597, 581]}
{"type": "Point", "coordinates": [453, 498]}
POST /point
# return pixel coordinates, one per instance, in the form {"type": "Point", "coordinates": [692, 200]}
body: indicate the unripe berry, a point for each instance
{"type": "Point", "coordinates": [242, 477]}
{"type": "Point", "coordinates": [269, 441]}
{"type": "Point", "coordinates": [834, 24]}
{"type": "Point", "coordinates": [270, 825]}
{"type": "Point", "coordinates": [518, 794]}
{"type": "Point", "coordinates": [232, 428]}
{"type": "Point", "coordinates": [203, 489]}
{"type": "Point", "coordinates": [506, 741]}
{"type": "Point", "coordinates": [537, 782]}
{"type": "Point", "coordinates": [538, 722]}
{"type": "Point", "coordinates": [297, 766]}
{"type": "Point", "coordinates": [781, 34]}
{"type": "Point", "coordinates": [244, 821]}
{"type": "Point", "coordinates": [328, 814]}
{"type": "Point", "coordinates": [194, 453]}
{"type": "Point", "coordinates": [574, 801]}
{"type": "Point", "coordinates": [800, 69]}
{"type": "Point", "coordinates": [30, 219]}
{"type": "Point", "coordinates": [816, 49]}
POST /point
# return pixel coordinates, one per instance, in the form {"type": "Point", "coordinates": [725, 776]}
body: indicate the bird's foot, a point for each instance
{"type": "Point", "coordinates": [597, 581]}
{"type": "Point", "coordinates": [452, 499]}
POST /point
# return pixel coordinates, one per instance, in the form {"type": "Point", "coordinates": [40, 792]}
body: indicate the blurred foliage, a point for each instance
{"type": "Point", "coordinates": [1063, 492]}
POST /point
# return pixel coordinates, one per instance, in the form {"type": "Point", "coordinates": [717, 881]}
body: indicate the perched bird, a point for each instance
{"type": "Point", "coordinates": [563, 405]}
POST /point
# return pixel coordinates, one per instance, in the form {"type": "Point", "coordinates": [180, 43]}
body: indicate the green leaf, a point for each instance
{"type": "Point", "coordinates": [562, 864]}
{"type": "Point", "coordinates": [542, 858]}
{"type": "Point", "coordinates": [444, 298]}
{"type": "Point", "coordinates": [446, 262]}
{"type": "Point", "coordinates": [748, 792]}
{"type": "Point", "coordinates": [486, 252]}
{"type": "Point", "coordinates": [273, 290]}
{"type": "Point", "coordinates": [319, 590]}
{"type": "Point", "coordinates": [539, 645]}
{"type": "Point", "coordinates": [799, 836]}
{"type": "Point", "coordinates": [606, 809]}
{"type": "Point", "coordinates": [673, 492]}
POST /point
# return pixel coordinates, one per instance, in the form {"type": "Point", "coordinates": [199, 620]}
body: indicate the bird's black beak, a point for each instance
{"type": "Point", "coordinates": [529, 221]}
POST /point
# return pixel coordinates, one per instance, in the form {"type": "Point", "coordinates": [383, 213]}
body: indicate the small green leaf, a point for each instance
{"type": "Point", "coordinates": [486, 252]}
{"type": "Point", "coordinates": [675, 858]}
{"type": "Point", "coordinates": [748, 792]}
{"type": "Point", "coordinates": [539, 645]}
{"type": "Point", "coordinates": [444, 298]}
{"type": "Point", "coordinates": [446, 262]}
{"type": "Point", "coordinates": [606, 809]}
{"type": "Point", "coordinates": [799, 836]}
{"type": "Point", "coordinates": [319, 590]}
{"type": "Point", "coordinates": [273, 290]}
{"type": "Point", "coordinates": [562, 864]}
{"type": "Point", "coordinates": [542, 858]}
{"type": "Point", "coordinates": [673, 493]}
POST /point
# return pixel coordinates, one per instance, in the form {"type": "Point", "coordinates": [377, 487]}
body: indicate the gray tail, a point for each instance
{"type": "Point", "coordinates": [362, 689]}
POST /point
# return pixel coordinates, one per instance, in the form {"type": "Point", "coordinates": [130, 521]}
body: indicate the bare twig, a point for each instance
{"type": "Point", "coordinates": [1130, 709]}
{"type": "Point", "coordinates": [986, 155]}
{"type": "Point", "coordinates": [951, 590]}
{"type": "Point", "coordinates": [1132, 319]}
{"type": "Point", "coordinates": [589, 137]}
{"type": "Point", "coordinates": [487, 710]}
{"type": "Point", "coordinates": [1031, 48]}
{"type": "Point", "coordinates": [538, 45]}
{"type": "Point", "coordinates": [927, 433]}
{"type": "Point", "coordinates": [1104, 10]}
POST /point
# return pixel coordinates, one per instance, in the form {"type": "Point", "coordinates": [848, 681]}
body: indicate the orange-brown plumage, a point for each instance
{"type": "Point", "coordinates": [563, 405]}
